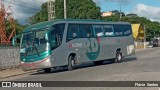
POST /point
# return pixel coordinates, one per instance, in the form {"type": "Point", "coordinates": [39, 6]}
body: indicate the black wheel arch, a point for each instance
{"type": "Point", "coordinates": [73, 55]}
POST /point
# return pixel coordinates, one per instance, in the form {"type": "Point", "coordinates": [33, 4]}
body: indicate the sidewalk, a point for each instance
{"type": "Point", "coordinates": [12, 72]}
{"type": "Point", "coordinates": [18, 71]}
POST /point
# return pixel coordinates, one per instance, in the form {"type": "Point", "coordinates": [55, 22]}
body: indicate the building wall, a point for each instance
{"type": "Point", "coordinates": [105, 14]}
{"type": "Point", "coordinates": [9, 57]}
{"type": "Point", "coordinates": [138, 31]}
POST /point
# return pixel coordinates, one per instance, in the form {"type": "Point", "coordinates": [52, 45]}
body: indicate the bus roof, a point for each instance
{"type": "Point", "coordinates": [48, 24]}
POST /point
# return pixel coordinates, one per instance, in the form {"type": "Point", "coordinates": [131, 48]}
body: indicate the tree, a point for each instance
{"type": "Point", "coordinates": [152, 28]}
{"type": "Point", "coordinates": [132, 15]}
{"type": "Point", "coordinates": [42, 15]}
{"type": "Point", "coordinates": [76, 9]}
{"type": "Point", "coordinates": [18, 28]}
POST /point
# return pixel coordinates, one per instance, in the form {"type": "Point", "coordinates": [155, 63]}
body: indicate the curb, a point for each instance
{"type": "Point", "coordinates": [138, 50]}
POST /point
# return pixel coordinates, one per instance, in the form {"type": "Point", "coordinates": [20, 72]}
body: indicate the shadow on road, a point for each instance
{"type": "Point", "coordinates": [81, 66]}
{"type": "Point", "coordinates": [126, 59]}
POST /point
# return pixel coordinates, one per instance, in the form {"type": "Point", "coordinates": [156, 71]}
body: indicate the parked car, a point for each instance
{"type": "Point", "coordinates": [156, 42]}
{"type": "Point", "coordinates": [150, 45]}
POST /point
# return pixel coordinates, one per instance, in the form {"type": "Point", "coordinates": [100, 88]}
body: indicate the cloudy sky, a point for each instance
{"type": "Point", "coordinates": [144, 8]}
{"type": "Point", "coordinates": [22, 9]}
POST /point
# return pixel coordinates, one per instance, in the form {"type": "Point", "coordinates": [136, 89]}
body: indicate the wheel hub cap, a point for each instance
{"type": "Point", "coordinates": [119, 57]}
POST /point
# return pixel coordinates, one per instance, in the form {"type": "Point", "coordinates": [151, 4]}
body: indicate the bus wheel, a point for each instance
{"type": "Point", "coordinates": [71, 63]}
{"type": "Point", "coordinates": [47, 70]}
{"type": "Point", "coordinates": [118, 58]}
{"type": "Point", "coordinates": [98, 62]}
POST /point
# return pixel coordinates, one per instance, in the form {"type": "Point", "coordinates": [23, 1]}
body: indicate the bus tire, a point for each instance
{"type": "Point", "coordinates": [47, 70]}
{"type": "Point", "coordinates": [71, 63]}
{"type": "Point", "coordinates": [98, 62]}
{"type": "Point", "coordinates": [118, 58]}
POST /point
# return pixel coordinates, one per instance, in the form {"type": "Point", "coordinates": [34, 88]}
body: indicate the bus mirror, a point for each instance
{"type": "Point", "coordinates": [14, 40]}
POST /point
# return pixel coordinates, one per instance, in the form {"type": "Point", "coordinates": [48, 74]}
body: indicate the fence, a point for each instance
{"type": "Point", "coordinates": [9, 57]}
{"type": "Point", "coordinates": [140, 45]}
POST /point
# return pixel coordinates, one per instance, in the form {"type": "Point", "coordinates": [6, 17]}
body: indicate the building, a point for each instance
{"type": "Point", "coordinates": [138, 32]}
{"type": "Point", "coordinates": [106, 14]}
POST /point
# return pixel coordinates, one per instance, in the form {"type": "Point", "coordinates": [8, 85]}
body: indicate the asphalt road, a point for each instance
{"type": "Point", "coordinates": [143, 66]}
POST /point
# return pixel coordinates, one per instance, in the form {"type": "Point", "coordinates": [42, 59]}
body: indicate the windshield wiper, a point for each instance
{"type": "Point", "coordinates": [36, 50]}
{"type": "Point", "coordinates": [33, 45]}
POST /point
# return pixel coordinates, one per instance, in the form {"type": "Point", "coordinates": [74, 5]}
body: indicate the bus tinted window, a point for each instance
{"type": "Point", "coordinates": [86, 31]}
{"type": "Point", "coordinates": [98, 31]}
{"type": "Point", "coordinates": [57, 35]}
{"type": "Point", "coordinates": [118, 30]}
{"type": "Point", "coordinates": [73, 31]}
{"type": "Point", "coordinates": [126, 29]}
{"type": "Point", "coordinates": [108, 30]}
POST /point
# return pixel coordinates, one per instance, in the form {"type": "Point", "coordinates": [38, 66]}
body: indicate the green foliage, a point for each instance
{"type": "Point", "coordinates": [87, 9]}
{"type": "Point", "coordinates": [152, 28]}
{"type": "Point", "coordinates": [18, 28]}
{"type": "Point", "coordinates": [76, 9]}
{"type": "Point", "coordinates": [42, 15]}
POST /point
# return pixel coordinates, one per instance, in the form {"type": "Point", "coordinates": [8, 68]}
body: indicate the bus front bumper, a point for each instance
{"type": "Point", "coordinates": [45, 63]}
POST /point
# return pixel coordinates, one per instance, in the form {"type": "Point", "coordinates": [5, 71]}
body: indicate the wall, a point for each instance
{"type": "Point", "coordinates": [9, 57]}
{"type": "Point", "coordinates": [138, 32]}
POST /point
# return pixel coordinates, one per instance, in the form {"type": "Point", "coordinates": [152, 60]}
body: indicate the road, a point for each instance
{"type": "Point", "coordinates": [143, 66]}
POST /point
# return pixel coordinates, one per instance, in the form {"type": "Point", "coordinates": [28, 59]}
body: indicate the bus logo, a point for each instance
{"type": "Point", "coordinates": [94, 48]}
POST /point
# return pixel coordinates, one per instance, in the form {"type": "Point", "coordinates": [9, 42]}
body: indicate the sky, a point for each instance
{"type": "Point", "coordinates": [143, 8]}
{"type": "Point", "coordinates": [22, 9]}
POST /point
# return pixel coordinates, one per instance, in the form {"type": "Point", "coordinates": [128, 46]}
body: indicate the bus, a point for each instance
{"type": "Point", "coordinates": [69, 42]}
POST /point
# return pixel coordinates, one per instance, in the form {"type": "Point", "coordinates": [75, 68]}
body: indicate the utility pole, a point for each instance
{"type": "Point", "coordinates": [65, 10]}
{"type": "Point", "coordinates": [51, 9]}
{"type": "Point", "coordinates": [144, 37]}
{"type": "Point", "coordinates": [40, 16]}
{"type": "Point", "coordinates": [120, 16]}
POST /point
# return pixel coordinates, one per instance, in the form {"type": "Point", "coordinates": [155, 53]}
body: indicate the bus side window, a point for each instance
{"type": "Point", "coordinates": [86, 31]}
{"type": "Point", "coordinates": [108, 30]}
{"type": "Point", "coordinates": [73, 32]}
{"type": "Point", "coordinates": [98, 31]}
{"type": "Point", "coordinates": [127, 30]}
{"type": "Point", "coordinates": [118, 30]}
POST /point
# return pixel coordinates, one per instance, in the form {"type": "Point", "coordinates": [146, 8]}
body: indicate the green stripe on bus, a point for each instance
{"type": "Point", "coordinates": [34, 58]}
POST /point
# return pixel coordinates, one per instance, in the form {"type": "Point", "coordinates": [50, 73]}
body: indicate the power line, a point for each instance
{"type": "Point", "coordinates": [23, 5]}
{"type": "Point", "coordinates": [27, 5]}
{"type": "Point", "coordinates": [39, 1]}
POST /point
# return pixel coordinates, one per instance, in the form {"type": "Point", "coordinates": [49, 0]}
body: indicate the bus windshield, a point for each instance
{"type": "Point", "coordinates": [33, 43]}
